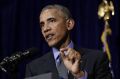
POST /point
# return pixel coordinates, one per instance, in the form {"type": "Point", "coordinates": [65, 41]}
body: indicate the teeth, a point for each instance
{"type": "Point", "coordinates": [49, 37]}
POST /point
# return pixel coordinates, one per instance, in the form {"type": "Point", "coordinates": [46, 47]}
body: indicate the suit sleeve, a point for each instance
{"type": "Point", "coordinates": [102, 69]}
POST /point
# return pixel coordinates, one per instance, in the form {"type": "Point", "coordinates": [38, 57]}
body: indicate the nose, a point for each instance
{"type": "Point", "coordinates": [46, 28]}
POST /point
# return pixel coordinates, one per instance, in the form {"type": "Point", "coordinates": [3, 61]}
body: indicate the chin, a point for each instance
{"type": "Point", "coordinates": [52, 44]}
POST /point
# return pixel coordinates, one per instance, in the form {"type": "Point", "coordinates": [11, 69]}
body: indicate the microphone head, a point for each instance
{"type": "Point", "coordinates": [9, 62]}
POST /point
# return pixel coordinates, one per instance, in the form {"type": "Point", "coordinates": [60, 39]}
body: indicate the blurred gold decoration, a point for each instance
{"type": "Point", "coordinates": [105, 11]}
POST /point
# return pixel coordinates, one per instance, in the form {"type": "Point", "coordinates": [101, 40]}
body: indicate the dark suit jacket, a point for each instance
{"type": "Point", "coordinates": [95, 63]}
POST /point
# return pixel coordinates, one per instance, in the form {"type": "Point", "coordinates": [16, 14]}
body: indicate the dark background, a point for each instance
{"type": "Point", "coordinates": [20, 30]}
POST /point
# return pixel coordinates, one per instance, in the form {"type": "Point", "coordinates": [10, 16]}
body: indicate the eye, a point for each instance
{"type": "Point", "coordinates": [41, 24]}
{"type": "Point", "coordinates": [52, 20]}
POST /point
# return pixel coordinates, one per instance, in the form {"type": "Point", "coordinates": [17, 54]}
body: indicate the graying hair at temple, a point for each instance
{"type": "Point", "coordinates": [63, 9]}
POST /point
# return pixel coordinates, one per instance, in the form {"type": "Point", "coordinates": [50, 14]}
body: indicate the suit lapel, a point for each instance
{"type": "Point", "coordinates": [50, 63]}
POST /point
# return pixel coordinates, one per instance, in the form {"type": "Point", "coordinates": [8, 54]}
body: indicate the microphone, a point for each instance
{"type": "Point", "coordinates": [17, 57]}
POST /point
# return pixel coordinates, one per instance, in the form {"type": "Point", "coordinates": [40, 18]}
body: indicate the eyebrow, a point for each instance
{"type": "Point", "coordinates": [50, 18]}
{"type": "Point", "coordinates": [42, 22]}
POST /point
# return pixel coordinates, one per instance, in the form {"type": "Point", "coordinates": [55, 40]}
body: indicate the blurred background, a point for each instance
{"type": "Point", "coordinates": [20, 29]}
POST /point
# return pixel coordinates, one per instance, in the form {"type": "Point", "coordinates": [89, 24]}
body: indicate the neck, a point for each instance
{"type": "Point", "coordinates": [63, 43]}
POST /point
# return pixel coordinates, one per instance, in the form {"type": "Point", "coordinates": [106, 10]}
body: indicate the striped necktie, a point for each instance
{"type": "Point", "coordinates": [63, 72]}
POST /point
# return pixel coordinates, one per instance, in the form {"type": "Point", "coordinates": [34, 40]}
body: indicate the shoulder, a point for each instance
{"type": "Point", "coordinates": [37, 66]}
{"type": "Point", "coordinates": [94, 55]}
{"type": "Point", "coordinates": [93, 52]}
{"type": "Point", "coordinates": [89, 52]}
{"type": "Point", "coordinates": [39, 60]}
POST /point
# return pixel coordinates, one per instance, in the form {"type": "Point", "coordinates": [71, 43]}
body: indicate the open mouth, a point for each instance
{"type": "Point", "coordinates": [49, 37]}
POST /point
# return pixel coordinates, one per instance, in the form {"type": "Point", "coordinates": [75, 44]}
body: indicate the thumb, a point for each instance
{"type": "Point", "coordinates": [62, 50]}
{"type": "Point", "coordinates": [62, 54]}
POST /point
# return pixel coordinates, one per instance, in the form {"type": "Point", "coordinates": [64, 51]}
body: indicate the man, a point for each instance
{"type": "Point", "coordinates": [66, 59]}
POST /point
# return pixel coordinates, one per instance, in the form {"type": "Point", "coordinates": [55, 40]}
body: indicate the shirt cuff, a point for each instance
{"type": "Point", "coordinates": [85, 76]}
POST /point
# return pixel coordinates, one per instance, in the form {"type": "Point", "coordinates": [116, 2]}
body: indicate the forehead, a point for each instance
{"type": "Point", "coordinates": [48, 13]}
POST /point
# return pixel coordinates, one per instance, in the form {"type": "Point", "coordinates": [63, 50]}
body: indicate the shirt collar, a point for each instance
{"type": "Point", "coordinates": [56, 52]}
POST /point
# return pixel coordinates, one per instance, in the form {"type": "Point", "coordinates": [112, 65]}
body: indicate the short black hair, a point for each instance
{"type": "Point", "coordinates": [63, 9]}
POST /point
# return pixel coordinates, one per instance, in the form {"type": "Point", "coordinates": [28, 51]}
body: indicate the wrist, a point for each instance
{"type": "Point", "coordinates": [78, 74]}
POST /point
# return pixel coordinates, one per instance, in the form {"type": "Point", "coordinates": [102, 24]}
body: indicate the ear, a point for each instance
{"type": "Point", "coordinates": [70, 24]}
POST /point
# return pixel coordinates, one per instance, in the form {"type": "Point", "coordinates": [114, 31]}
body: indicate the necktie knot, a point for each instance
{"type": "Point", "coordinates": [58, 60]}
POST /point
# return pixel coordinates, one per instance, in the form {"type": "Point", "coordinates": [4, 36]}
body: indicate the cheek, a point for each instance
{"type": "Point", "coordinates": [43, 34]}
{"type": "Point", "coordinates": [61, 27]}
{"type": "Point", "coordinates": [61, 33]}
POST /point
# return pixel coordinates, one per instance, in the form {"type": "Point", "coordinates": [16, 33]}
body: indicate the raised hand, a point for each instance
{"type": "Point", "coordinates": [71, 59]}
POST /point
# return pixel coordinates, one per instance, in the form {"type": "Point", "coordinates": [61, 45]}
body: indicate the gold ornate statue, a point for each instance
{"type": "Point", "coordinates": [105, 11]}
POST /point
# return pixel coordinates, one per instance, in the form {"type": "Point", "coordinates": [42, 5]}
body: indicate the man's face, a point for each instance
{"type": "Point", "coordinates": [53, 26]}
